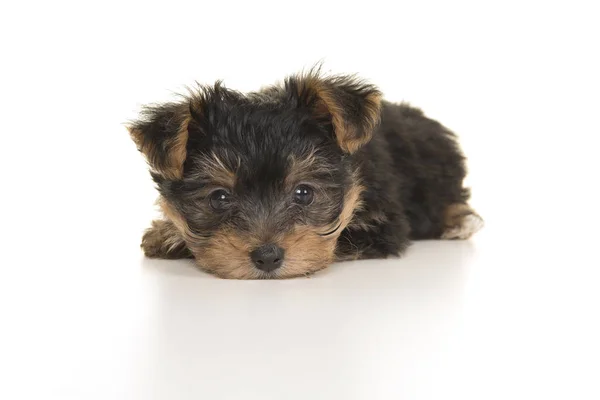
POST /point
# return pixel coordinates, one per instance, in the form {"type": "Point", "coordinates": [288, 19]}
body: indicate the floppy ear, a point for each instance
{"type": "Point", "coordinates": [349, 104]}
{"type": "Point", "coordinates": [161, 134]}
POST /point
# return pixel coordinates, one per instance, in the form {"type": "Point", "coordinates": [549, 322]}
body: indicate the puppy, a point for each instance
{"type": "Point", "coordinates": [282, 182]}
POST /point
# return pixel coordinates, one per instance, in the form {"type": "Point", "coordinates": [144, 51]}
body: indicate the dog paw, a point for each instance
{"type": "Point", "coordinates": [153, 244]}
{"type": "Point", "coordinates": [163, 241]}
{"type": "Point", "coordinates": [461, 222]}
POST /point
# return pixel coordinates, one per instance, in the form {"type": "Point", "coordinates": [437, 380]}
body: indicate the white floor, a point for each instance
{"type": "Point", "coordinates": [487, 319]}
{"type": "Point", "coordinates": [512, 314]}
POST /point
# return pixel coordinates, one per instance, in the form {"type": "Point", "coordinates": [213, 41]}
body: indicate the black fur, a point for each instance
{"type": "Point", "coordinates": [410, 166]}
{"type": "Point", "coordinates": [412, 169]}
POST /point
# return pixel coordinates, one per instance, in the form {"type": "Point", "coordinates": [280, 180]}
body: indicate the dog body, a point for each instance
{"type": "Point", "coordinates": [282, 182]}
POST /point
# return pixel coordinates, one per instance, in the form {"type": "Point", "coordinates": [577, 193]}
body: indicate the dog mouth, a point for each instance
{"type": "Point", "coordinates": [297, 253]}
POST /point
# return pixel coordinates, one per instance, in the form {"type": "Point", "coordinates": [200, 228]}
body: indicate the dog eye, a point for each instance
{"type": "Point", "coordinates": [303, 195]}
{"type": "Point", "coordinates": [220, 200]}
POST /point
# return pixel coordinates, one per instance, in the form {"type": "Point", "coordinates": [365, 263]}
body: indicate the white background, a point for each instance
{"type": "Point", "coordinates": [511, 314]}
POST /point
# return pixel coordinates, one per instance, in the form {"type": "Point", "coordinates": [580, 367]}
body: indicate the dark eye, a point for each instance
{"type": "Point", "coordinates": [220, 200]}
{"type": "Point", "coordinates": [303, 195]}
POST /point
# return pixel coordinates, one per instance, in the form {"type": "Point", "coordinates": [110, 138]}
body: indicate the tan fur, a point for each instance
{"type": "Point", "coordinates": [176, 218]}
{"type": "Point", "coordinates": [178, 151]}
{"type": "Point", "coordinates": [454, 212]}
{"type": "Point", "coordinates": [302, 169]}
{"type": "Point", "coordinates": [460, 222]}
{"type": "Point", "coordinates": [177, 147]}
{"type": "Point", "coordinates": [373, 114]}
{"type": "Point", "coordinates": [226, 253]}
{"type": "Point", "coordinates": [219, 173]}
{"type": "Point", "coordinates": [306, 252]}
{"type": "Point", "coordinates": [163, 240]}
{"type": "Point", "coordinates": [352, 203]}
{"type": "Point", "coordinates": [346, 134]}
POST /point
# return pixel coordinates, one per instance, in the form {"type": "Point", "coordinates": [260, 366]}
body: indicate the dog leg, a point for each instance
{"type": "Point", "coordinates": [374, 238]}
{"type": "Point", "coordinates": [162, 240]}
{"type": "Point", "coordinates": [460, 222]}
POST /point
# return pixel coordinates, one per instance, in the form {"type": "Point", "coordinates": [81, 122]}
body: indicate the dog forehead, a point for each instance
{"type": "Point", "coordinates": [266, 148]}
{"type": "Point", "coordinates": [253, 126]}
{"type": "Point", "coordinates": [264, 170]}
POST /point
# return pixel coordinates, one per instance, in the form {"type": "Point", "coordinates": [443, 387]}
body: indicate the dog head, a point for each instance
{"type": "Point", "coordinates": [261, 185]}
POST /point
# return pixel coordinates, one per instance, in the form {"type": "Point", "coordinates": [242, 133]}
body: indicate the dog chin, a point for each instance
{"type": "Point", "coordinates": [251, 273]}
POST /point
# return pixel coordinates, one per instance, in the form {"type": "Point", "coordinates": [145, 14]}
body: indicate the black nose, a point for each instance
{"type": "Point", "coordinates": [268, 257]}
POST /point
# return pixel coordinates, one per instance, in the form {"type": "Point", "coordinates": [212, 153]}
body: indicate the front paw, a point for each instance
{"type": "Point", "coordinates": [153, 243]}
{"type": "Point", "coordinates": [162, 240]}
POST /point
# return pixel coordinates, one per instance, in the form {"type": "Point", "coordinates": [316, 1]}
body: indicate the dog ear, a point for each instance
{"type": "Point", "coordinates": [349, 104]}
{"type": "Point", "coordinates": [161, 134]}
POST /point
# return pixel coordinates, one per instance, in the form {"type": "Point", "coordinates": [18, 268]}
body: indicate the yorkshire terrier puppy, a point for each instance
{"type": "Point", "coordinates": [282, 182]}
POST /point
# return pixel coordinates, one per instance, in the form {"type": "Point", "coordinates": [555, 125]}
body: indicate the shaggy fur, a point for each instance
{"type": "Point", "coordinates": [318, 167]}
